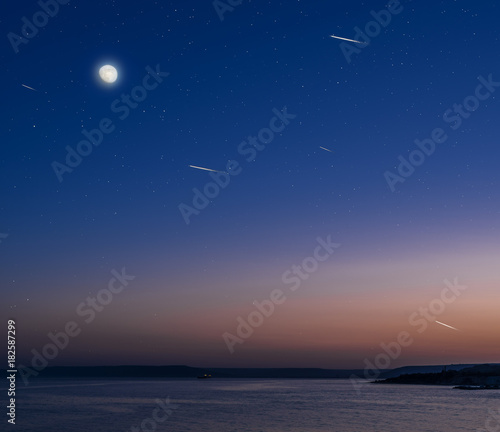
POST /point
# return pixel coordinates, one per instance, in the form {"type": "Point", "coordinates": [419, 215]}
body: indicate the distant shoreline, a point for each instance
{"type": "Point", "coordinates": [107, 372]}
{"type": "Point", "coordinates": [480, 377]}
{"type": "Point", "coordinates": [454, 375]}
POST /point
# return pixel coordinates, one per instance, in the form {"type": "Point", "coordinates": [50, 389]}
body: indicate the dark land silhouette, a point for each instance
{"type": "Point", "coordinates": [481, 376]}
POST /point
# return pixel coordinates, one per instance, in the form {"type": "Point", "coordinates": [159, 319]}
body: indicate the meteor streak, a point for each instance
{"type": "Point", "coordinates": [349, 40]}
{"type": "Point", "coordinates": [446, 325]}
{"type": "Point", "coordinates": [324, 148]}
{"type": "Point", "coordinates": [206, 169]}
{"type": "Point", "coordinates": [28, 87]}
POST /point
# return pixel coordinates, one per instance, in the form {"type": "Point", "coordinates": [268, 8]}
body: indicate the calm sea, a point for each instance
{"type": "Point", "coordinates": [250, 405]}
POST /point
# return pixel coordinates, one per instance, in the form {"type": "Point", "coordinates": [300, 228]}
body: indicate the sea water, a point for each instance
{"type": "Point", "coordinates": [249, 405]}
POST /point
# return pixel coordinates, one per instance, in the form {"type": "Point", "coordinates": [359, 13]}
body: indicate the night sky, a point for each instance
{"type": "Point", "coordinates": [252, 91]}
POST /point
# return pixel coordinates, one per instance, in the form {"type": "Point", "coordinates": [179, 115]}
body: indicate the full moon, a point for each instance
{"type": "Point", "coordinates": [108, 74]}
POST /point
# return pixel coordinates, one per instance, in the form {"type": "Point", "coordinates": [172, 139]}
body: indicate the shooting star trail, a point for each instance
{"type": "Point", "coordinates": [446, 325]}
{"type": "Point", "coordinates": [28, 87]}
{"type": "Point", "coordinates": [324, 148]}
{"type": "Point", "coordinates": [206, 169]}
{"type": "Point", "coordinates": [349, 40]}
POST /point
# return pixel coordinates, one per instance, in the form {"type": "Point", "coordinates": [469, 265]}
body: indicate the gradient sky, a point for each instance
{"type": "Point", "coordinates": [120, 207]}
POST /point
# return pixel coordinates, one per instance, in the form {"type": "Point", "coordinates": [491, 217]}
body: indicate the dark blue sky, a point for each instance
{"type": "Point", "coordinates": [120, 206]}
